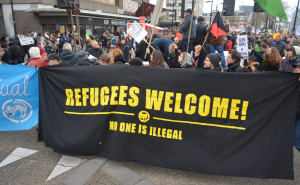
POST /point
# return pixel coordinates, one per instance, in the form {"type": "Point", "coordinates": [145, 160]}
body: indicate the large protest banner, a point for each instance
{"type": "Point", "coordinates": [19, 97]}
{"type": "Point", "coordinates": [225, 123]}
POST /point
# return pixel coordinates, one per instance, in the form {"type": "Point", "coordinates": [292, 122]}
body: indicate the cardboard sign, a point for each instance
{"type": "Point", "coordinates": [242, 45]}
{"type": "Point", "coordinates": [25, 40]}
{"type": "Point", "coordinates": [178, 35]}
{"type": "Point", "coordinates": [137, 32]}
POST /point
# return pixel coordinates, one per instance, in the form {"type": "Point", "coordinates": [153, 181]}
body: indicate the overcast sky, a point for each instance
{"type": "Point", "coordinates": [207, 6]}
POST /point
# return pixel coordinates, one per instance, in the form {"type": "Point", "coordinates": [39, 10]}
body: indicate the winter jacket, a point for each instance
{"type": "Point", "coordinates": [260, 56]}
{"type": "Point", "coordinates": [96, 52]}
{"type": "Point", "coordinates": [201, 32]}
{"type": "Point", "coordinates": [88, 46]}
{"type": "Point", "coordinates": [69, 56]}
{"type": "Point", "coordinates": [23, 50]}
{"type": "Point", "coordinates": [60, 44]}
{"type": "Point", "coordinates": [119, 60]}
{"type": "Point", "coordinates": [5, 57]}
{"type": "Point", "coordinates": [235, 68]}
{"type": "Point", "coordinates": [185, 28]}
{"type": "Point", "coordinates": [15, 54]}
{"type": "Point", "coordinates": [48, 49]}
{"type": "Point", "coordinates": [125, 50]}
{"type": "Point", "coordinates": [38, 62]}
{"type": "Point", "coordinates": [141, 50]}
{"type": "Point", "coordinates": [85, 61]}
{"type": "Point", "coordinates": [173, 58]}
{"type": "Point", "coordinates": [200, 59]}
{"type": "Point", "coordinates": [228, 46]}
{"type": "Point", "coordinates": [280, 46]}
{"type": "Point", "coordinates": [104, 41]}
{"type": "Point", "coordinates": [287, 64]}
{"type": "Point", "coordinates": [162, 44]}
{"type": "Point", "coordinates": [69, 40]}
{"type": "Point", "coordinates": [213, 40]}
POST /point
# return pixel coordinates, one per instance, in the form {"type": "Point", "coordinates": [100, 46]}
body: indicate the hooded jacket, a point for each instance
{"type": "Point", "coordinates": [185, 28]}
{"type": "Point", "coordinates": [235, 68]}
{"type": "Point", "coordinates": [141, 50]}
{"type": "Point", "coordinates": [69, 56]}
{"type": "Point", "coordinates": [162, 44]}
{"type": "Point", "coordinates": [119, 60]}
{"type": "Point", "coordinates": [96, 52]}
{"type": "Point", "coordinates": [188, 59]}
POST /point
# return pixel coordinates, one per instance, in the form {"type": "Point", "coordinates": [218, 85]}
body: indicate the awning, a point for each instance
{"type": "Point", "coordinates": [47, 11]}
{"type": "Point", "coordinates": [148, 9]}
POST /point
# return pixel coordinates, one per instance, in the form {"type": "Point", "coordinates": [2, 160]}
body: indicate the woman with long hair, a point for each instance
{"type": "Point", "coordinates": [173, 56]}
{"type": "Point", "coordinates": [117, 56]}
{"type": "Point", "coordinates": [272, 60]}
{"type": "Point", "coordinates": [156, 59]}
{"type": "Point", "coordinates": [199, 56]}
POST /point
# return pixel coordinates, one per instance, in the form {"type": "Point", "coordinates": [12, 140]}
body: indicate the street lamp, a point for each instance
{"type": "Point", "coordinates": [212, 1]}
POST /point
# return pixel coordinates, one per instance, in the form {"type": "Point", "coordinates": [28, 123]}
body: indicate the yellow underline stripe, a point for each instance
{"type": "Point", "coordinates": [94, 113]}
{"type": "Point", "coordinates": [197, 123]}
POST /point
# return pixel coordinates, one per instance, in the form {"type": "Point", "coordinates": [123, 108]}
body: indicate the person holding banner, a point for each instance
{"type": "Point", "coordinates": [212, 62]}
{"type": "Point", "coordinates": [293, 56]}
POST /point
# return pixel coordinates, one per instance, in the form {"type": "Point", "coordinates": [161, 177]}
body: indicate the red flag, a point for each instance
{"type": "Point", "coordinates": [218, 28]}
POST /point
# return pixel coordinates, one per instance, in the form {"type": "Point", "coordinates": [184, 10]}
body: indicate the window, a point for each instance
{"type": "Point", "coordinates": [117, 2]}
{"type": "Point", "coordinates": [60, 19]}
{"type": "Point", "coordinates": [84, 20]}
{"type": "Point", "coordinates": [46, 20]}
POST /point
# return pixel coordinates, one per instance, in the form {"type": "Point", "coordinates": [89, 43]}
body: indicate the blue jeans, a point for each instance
{"type": "Point", "coordinates": [297, 134]}
{"type": "Point", "coordinates": [184, 45]}
{"type": "Point", "coordinates": [220, 50]}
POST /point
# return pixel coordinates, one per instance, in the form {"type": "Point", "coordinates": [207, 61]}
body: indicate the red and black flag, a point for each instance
{"type": "Point", "coordinates": [218, 28]}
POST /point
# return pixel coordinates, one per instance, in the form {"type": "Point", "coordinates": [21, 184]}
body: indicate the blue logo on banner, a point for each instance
{"type": "Point", "coordinates": [18, 97]}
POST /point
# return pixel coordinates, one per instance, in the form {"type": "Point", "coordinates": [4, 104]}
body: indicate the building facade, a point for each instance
{"type": "Point", "coordinates": [95, 18]}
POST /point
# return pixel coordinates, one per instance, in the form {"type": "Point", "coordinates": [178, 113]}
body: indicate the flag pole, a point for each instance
{"type": "Point", "coordinates": [191, 23]}
{"type": "Point", "coordinates": [160, 7]}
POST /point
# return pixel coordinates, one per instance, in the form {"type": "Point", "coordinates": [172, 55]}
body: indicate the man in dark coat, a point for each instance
{"type": "Point", "coordinates": [201, 32]}
{"type": "Point", "coordinates": [96, 51]}
{"type": "Point", "coordinates": [233, 61]}
{"type": "Point", "coordinates": [141, 50]}
{"type": "Point", "coordinates": [125, 48]}
{"type": "Point", "coordinates": [185, 28]}
{"type": "Point", "coordinates": [15, 53]}
{"type": "Point", "coordinates": [67, 55]}
{"type": "Point", "coordinates": [212, 62]}
{"type": "Point", "coordinates": [162, 44]}
{"type": "Point", "coordinates": [61, 42]}
{"type": "Point", "coordinates": [83, 59]}
{"type": "Point", "coordinates": [279, 45]}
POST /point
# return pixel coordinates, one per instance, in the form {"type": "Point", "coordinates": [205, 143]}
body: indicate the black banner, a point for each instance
{"type": "Point", "coordinates": [208, 122]}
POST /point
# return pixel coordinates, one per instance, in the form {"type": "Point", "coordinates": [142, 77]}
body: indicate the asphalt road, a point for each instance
{"type": "Point", "coordinates": [36, 168]}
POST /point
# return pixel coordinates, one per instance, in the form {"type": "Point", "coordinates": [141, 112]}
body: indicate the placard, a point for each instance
{"type": "Point", "coordinates": [25, 40]}
{"type": "Point", "coordinates": [242, 45]}
{"type": "Point", "coordinates": [137, 32]}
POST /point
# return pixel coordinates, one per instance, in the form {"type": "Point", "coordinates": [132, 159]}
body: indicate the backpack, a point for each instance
{"type": "Point", "coordinates": [54, 48]}
{"type": "Point", "coordinates": [197, 40]}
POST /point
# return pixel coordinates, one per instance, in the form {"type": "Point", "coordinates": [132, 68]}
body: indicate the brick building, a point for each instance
{"type": "Point", "coordinates": [96, 17]}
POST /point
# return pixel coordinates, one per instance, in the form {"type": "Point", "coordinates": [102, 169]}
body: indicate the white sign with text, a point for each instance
{"type": "Point", "coordinates": [137, 32]}
{"type": "Point", "coordinates": [242, 46]}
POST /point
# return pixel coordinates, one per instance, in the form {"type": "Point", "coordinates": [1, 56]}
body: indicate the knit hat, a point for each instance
{"type": "Point", "coordinates": [136, 61]}
{"type": "Point", "coordinates": [297, 49]}
{"type": "Point", "coordinates": [215, 59]}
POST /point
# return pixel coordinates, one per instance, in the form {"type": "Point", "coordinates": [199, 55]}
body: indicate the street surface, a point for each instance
{"type": "Point", "coordinates": [36, 168]}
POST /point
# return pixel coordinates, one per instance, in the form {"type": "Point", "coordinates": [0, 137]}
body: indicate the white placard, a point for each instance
{"type": "Point", "coordinates": [242, 45]}
{"type": "Point", "coordinates": [26, 40]}
{"type": "Point", "coordinates": [137, 32]}
{"type": "Point", "coordinates": [298, 30]}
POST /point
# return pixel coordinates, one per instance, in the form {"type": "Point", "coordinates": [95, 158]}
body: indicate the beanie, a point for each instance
{"type": "Point", "coordinates": [215, 59]}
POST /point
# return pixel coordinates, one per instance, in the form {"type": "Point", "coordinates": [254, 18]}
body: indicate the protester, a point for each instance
{"type": "Point", "coordinates": [156, 59]}
{"type": "Point", "coordinates": [141, 50]}
{"type": "Point", "coordinates": [76, 48]}
{"type": "Point", "coordinates": [22, 48]}
{"type": "Point", "coordinates": [292, 58]}
{"type": "Point", "coordinates": [54, 60]}
{"type": "Point", "coordinates": [279, 45]}
{"type": "Point", "coordinates": [125, 49]}
{"type": "Point", "coordinates": [136, 62]}
{"type": "Point", "coordinates": [272, 60]}
{"type": "Point", "coordinates": [216, 44]}
{"type": "Point", "coordinates": [129, 44]}
{"type": "Point", "coordinates": [47, 47]}
{"type": "Point", "coordinates": [229, 43]}
{"type": "Point", "coordinates": [88, 44]}
{"type": "Point", "coordinates": [47, 36]}
{"type": "Point", "coordinates": [185, 28]}
{"type": "Point", "coordinates": [96, 51]}
{"type": "Point", "coordinates": [294, 41]}
{"type": "Point", "coordinates": [185, 60]}
{"type": "Point", "coordinates": [173, 35]}
{"type": "Point", "coordinates": [104, 41]}
{"type": "Point", "coordinates": [5, 56]}
{"type": "Point", "coordinates": [178, 43]}
{"type": "Point", "coordinates": [212, 62]}
{"type": "Point", "coordinates": [118, 57]}
{"type": "Point", "coordinates": [83, 59]}
{"type": "Point", "coordinates": [116, 42]}
{"type": "Point", "coordinates": [40, 39]}
{"type": "Point", "coordinates": [69, 38]}
{"type": "Point", "coordinates": [67, 55]}
{"type": "Point", "coordinates": [173, 56]}
{"type": "Point", "coordinates": [233, 61]}
{"type": "Point", "coordinates": [260, 55]}
{"type": "Point", "coordinates": [253, 65]}
{"type": "Point", "coordinates": [199, 56]}
{"type": "Point", "coordinates": [162, 44]}
{"type": "Point", "coordinates": [36, 59]}
{"type": "Point", "coordinates": [104, 59]}
{"type": "Point", "coordinates": [201, 32]}
{"type": "Point", "coordinates": [53, 45]}
{"type": "Point", "coordinates": [15, 53]}
{"type": "Point", "coordinates": [109, 42]}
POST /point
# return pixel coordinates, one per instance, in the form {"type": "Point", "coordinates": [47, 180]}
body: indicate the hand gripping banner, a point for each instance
{"type": "Point", "coordinates": [194, 120]}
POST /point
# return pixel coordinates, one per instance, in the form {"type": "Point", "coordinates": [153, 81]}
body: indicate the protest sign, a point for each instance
{"type": "Point", "coordinates": [179, 123]}
{"type": "Point", "coordinates": [275, 35]}
{"type": "Point", "coordinates": [19, 97]}
{"type": "Point", "coordinates": [179, 35]}
{"type": "Point", "coordinates": [137, 32]}
{"type": "Point", "coordinates": [242, 45]}
{"type": "Point", "coordinates": [25, 40]}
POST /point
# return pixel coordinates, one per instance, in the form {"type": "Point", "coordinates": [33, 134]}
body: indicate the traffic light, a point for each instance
{"type": "Point", "coordinates": [228, 7]}
{"type": "Point", "coordinates": [67, 4]}
{"type": "Point", "coordinates": [257, 8]}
